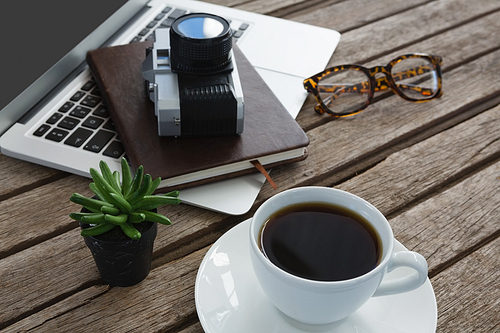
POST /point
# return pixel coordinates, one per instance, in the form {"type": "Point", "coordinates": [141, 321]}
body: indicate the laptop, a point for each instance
{"type": "Point", "coordinates": [51, 112]}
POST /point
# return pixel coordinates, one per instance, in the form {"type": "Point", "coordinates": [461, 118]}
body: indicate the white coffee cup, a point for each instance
{"type": "Point", "coordinates": [322, 302]}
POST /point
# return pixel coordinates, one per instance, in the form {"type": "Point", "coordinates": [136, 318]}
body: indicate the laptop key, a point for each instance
{"type": "Point", "coordinates": [109, 125]}
{"type": "Point", "coordinates": [101, 111]}
{"type": "Point", "coordinates": [90, 101]}
{"type": "Point", "coordinates": [80, 112]}
{"type": "Point", "coordinates": [93, 122]}
{"type": "Point", "coordinates": [159, 16]}
{"type": "Point", "coordinates": [167, 23]}
{"type": "Point", "coordinates": [66, 107]}
{"type": "Point", "coordinates": [87, 86]}
{"type": "Point", "coordinates": [57, 134]}
{"type": "Point", "coordinates": [98, 141]}
{"type": "Point", "coordinates": [54, 118]}
{"type": "Point", "coordinates": [96, 92]}
{"type": "Point", "coordinates": [68, 123]}
{"type": "Point", "coordinates": [143, 32]}
{"type": "Point", "coordinates": [177, 13]}
{"type": "Point", "coordinates": [77, 96]}
{"type": "Point", "coordinates": [41, 130]}
{"type": "Point", "coordinates": [78, 137]}
{"type": "Point", "coordinates": [115, 149]}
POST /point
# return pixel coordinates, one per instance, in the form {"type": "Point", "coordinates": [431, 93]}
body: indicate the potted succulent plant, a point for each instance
{"type": "Point", "coordinates": [119, 223]}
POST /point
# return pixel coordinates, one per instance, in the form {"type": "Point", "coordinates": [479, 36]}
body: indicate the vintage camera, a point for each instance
{"type": "Point", "coordinates": [192, 79]}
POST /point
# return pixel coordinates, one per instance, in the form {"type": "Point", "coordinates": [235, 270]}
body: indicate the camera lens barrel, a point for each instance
{"type": "Point", "coordinates": [200, 43]}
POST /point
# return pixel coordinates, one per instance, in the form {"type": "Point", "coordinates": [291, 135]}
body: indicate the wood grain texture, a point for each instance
{"type": "Point", "coordinates": [267, 6]}
{"type": "Point", "coordinates": [468, 293]}
{"type": "Point", "coordinates": [47, 314]}
{"type": "Point", "coordinates": [348, 15]}
{"type": "Point", "coordinates": [429, 228]}
{"type": "Point", "coordinates": [426, 166]}
{"type": "Point", "coordinates": [195, 328]}
{"type": "Point", "coordinates": [338, 144]}
{"type": "Point", "coordinates": [36, 215]}
{"type": "Point", "coordinates": [17, 176]}
{"type": "Point", "coordinates": [403, 29]}
{"type": "Point", "coordinates": [44, 273]}
{"type": "Point", "coordinates": [446, 226]}
{"type": "Point", "coordinates": [161, 301]}
{"type": "Point", "coordinates": [64, 265]}
{"type": "Point", "coordinates": [458, 43]}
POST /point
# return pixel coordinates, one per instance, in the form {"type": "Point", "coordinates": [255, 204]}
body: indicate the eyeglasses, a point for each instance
{"type": "Point", "coordinates": [346, 90]}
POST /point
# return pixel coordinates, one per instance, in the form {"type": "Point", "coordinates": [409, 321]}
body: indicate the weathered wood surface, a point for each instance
{"type": "Point", "coordinates": [432, 168]}
{"type": "Point", "coordinates": [424, 31]}
{"type": "Point", "coordinates": [436, 228]}
{"type": "Point", "coordinates": [347, 15]}
{"type": "Point", "coordinates": [17, 176]}
{"type": "Point", "coordinates": [468, 293]}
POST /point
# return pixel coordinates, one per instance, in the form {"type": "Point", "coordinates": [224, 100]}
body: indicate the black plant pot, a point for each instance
{"type": "Point", "coordinates": [122, 261]}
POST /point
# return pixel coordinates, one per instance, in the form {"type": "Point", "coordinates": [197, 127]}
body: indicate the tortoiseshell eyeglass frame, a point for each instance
{"type": "Point", "coordinates": [375, 84]}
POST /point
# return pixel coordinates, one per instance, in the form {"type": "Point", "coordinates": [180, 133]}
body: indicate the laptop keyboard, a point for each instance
{"type": "Point", "coordinates": [83, 121]}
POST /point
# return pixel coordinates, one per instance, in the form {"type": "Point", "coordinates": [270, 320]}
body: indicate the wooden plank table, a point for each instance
{"type": "Point", "coordinates": [433, 169]}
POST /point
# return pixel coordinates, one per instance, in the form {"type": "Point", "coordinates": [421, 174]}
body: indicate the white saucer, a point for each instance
{"type": "Point", "coordinates": [229, 299]}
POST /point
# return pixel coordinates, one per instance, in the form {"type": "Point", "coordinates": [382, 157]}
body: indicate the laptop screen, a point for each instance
{"type": "Point", "coordinates": [36, 34]}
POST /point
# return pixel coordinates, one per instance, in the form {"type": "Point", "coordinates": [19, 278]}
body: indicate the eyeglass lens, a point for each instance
{"type": "Point", "coordinates": [415, 78]}
{"type": "Point", "coordinates": [344, 91]}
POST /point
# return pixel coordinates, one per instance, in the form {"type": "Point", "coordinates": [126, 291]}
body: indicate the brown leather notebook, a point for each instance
{"type": "Point", "coordinates": [270, 133]}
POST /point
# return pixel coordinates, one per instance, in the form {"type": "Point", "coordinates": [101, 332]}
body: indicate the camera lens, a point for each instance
{"type": "Point", "coordinates": [200, 43]}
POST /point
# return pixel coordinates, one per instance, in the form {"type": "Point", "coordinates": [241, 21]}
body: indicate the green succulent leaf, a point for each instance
{"type": "Point", "coordinates": [130, 231]}
{"type": "Point", "coordinates": [136, 217]}
{"type": "Point", "coordinates": [137, 180]}
{"type": "Point", "coordinates": [174, 194]}
{"type": "Point", "coordinates": [92, 205]}
{"type": "Point", "coordinates": [108, 176]}
{"type": "Point", "coordinates": [97, 230]}
{"type": "Point", "coordinates": [102, 185]}
{"type": "Point", "coordinates": [154, 185]}
{"type": "Point", "coordinates": [126, 177]}
{"type": "Point", "coordinates": [150, 202]}
{"type": "Point", "coordinates": [116, 175]}
{"type": "Point", "coordinates": [98, 218]}
{"type": "Point", "coordinates": [110, 210]}
{"type": "Point", "coordinates": [97, 191]}
{"type": "Point", "coordinates": [141, 191]}
{"type": "Point", "coordinates": [121, 203]}
{"type": "Point", "coordinates": [80, 216]}
{"type": "Point", "coordinates": [116, 220]}
{"type": "Point", "coordinates": [155, 217]}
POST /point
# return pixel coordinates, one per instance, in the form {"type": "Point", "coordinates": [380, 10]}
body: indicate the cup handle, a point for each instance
{"type": "Point", "coordinates": [406, 283]}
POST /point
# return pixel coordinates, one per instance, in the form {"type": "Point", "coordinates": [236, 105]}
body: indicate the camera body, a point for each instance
{"type": "Point", "coordinates": [192, 79]}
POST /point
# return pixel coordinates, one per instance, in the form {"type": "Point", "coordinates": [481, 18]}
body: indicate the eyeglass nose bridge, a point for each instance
{"type": "Point", "coordinates": [383, 82]}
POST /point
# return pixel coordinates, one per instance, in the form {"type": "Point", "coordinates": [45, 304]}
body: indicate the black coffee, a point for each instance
{"type": "Point", "coordinates": [321, 242]}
